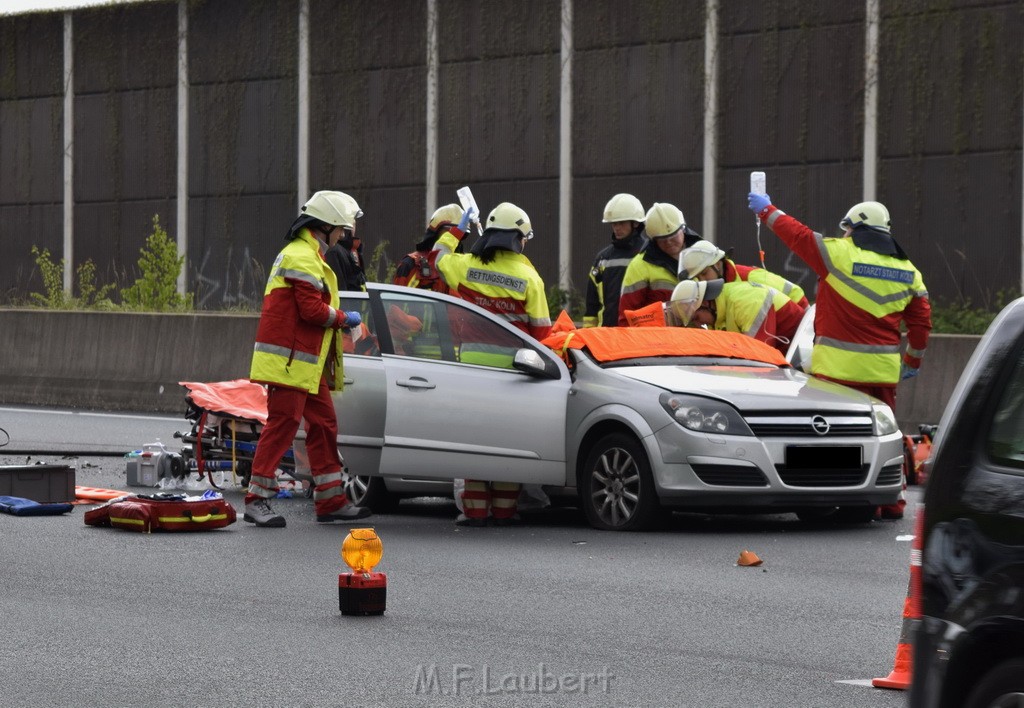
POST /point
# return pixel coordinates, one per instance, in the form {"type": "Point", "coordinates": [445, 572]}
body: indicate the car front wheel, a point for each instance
{"type": "Point", "coordinates": [615, 485]}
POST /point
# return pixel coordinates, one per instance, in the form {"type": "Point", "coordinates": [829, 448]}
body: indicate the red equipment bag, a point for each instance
{"type": "Point", "coordinates": [164, 512]}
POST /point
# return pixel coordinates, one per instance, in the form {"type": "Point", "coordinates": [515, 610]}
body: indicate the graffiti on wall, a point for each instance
{"type": "Point", "coordinates": [235, 281]}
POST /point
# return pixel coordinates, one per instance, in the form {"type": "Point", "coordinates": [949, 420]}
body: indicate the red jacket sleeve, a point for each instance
{"type": "Point", "coordinates": [918, 317]}
{"type": "Point", "coordinates": [312, 308]}
{"type": "Point", "coordinates": [801, 239]}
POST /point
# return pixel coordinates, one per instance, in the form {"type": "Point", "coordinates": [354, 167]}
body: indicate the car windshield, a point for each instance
{"type": "Point", "coordinates": [647, 346]}
{"type": "Point", "coordinates": [685, 361]}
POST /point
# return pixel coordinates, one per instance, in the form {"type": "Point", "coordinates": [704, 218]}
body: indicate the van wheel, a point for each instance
{"type": "Point", "coordinates": [615, 485]}
{"type": "Point", "coordinates": [1001, 687]}
{"type": "Point", "coordinates": [369, 492]}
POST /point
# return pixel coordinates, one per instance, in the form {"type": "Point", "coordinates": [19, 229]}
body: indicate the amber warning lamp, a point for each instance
{"type": "Point", "coordinates": [363, 591]}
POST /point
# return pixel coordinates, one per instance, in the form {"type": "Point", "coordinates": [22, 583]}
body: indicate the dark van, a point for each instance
{"type": "Point", "coordinates": [969, 640]}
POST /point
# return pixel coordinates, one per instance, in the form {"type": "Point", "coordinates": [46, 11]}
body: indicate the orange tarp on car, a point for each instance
{"type": "Point", "coordinates": [616, 343]}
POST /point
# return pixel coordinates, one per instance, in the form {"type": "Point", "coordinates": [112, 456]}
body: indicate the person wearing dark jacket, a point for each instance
{"type": "Point", "coordinates": [345, 254]}
{"type": "Point", "coordinates": [626, 215]}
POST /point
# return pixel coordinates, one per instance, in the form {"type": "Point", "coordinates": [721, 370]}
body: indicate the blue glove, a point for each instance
{"type": "Point", "coordinates": [352, 319]}
{"type": "Point", "coordinates": [467, 216]}
{"type": "Point", "coordinates": [758, 202]}
{"type": "Point", "coordinates": [907, 371]}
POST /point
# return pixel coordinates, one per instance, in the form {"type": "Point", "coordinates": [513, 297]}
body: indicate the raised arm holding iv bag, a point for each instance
{"type": "Point", "coordinates": [469, 205]}
{"type": "Point", "coordinates": [758, 185]}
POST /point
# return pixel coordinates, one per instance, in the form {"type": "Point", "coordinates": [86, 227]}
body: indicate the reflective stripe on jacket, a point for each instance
{"type": "Point", "coordinates": [862, 298]}
{"type": "Point", "coordinates": [509, 286]}
{"type": "Point", "coordinates": [650, 277]}
{"type": "Point", "coordinates": [299, 318]}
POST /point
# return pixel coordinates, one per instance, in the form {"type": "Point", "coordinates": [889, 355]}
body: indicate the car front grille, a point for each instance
{"type": "Point", "coordinates": [730, 475]}
{"type": "Point", "coordinates": [845, 477]}
{"type": "Point", "coordinates": [817, 425]}
{"type": "Point", "coordinates": [890, 475]}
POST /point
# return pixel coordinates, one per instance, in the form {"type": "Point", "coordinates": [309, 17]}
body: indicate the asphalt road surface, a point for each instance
{"type": "Point", "coordinates": [549, 613]}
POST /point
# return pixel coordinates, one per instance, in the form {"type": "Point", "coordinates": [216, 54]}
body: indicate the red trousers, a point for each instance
{"type": "Point", "coordinates": [286, 409]}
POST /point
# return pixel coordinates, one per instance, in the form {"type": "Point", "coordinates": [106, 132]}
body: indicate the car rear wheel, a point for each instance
{"type": "Point", "coordinates": [615, 485]}
{"type": "Point", "coordinates": [1002, 687]}
{"type": "Point", "coordinates": [369, 492]}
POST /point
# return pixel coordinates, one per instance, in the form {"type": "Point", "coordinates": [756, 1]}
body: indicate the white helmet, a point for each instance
{"type": "Point", "coordinates": [693, 260]}
{"type": "Point", "coordinates": [448, 214]}
{"type": "Point", "coordinates": [508, 217]}
{"type": "Point", "coordinates": [664, 220]}
{"type": "Point", "coordinates": [689, 294]}
{"type": "Point", "coordinates": [872, 215]}
{"type": "Point", "coordinates": [335, 208]}
{"type": "Point", "coordinates": [623, 207]}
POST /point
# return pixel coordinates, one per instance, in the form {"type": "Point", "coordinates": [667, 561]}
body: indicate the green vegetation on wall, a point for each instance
{"type": "Point", "coordinates": [154, 291]}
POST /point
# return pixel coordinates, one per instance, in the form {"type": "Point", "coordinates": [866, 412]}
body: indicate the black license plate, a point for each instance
{"type": "Point", "coordinates": [823, 458]}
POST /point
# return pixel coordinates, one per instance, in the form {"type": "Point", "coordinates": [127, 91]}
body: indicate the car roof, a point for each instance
{"type": "Point", "coordinates": [616, 343]}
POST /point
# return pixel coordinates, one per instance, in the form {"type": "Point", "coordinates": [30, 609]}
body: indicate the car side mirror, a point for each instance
{"type": "Point", "coordinates": [531, 362]}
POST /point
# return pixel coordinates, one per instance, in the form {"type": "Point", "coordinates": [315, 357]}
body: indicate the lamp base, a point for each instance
{"type": "Point", "coordinates": [362, 593]}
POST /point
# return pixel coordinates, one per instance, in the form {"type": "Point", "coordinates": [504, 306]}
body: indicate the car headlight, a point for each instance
{"type": "Point", "coordinates": [885, 420]}
{"type": "Point", "coordinates": [704, 415]}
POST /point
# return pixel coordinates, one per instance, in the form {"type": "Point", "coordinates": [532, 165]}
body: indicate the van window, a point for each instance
{"type": "Point", "coordinates": [1006, 436]}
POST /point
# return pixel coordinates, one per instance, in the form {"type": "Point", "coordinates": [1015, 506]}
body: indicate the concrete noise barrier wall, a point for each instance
{"type": "Point", "coordinates": [118, 360]}
{"type": "Point", "coordinates": [134, 361]}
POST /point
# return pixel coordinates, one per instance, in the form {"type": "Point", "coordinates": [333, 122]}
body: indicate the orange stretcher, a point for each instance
{"type": "Point", "coordinates": [227, 418]}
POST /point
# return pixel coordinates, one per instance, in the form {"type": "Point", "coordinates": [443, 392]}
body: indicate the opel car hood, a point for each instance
{"type": "Point", "coordinates": [751, 387]}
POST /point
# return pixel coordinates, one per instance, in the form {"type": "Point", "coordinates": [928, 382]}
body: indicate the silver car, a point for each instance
{"type": "Point", "coordinates": [437, 388]}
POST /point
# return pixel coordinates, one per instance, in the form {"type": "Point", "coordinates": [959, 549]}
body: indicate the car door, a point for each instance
{"type": "Point", "coordinates": [456, 407]}
{"type": "Point", "coordinates": [362, 406]}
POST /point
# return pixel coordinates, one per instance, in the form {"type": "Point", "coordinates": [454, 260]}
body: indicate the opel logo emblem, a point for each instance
{"type": "Point", "coordinates": [820, 425]}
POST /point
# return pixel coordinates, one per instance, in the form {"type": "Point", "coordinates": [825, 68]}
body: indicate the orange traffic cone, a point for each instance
{"type": "Point", "coordinates": [903, 665]}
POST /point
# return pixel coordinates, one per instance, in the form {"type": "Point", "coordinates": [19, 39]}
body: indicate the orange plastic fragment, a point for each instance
{"type": "Point", "coordinates": [748, 558]}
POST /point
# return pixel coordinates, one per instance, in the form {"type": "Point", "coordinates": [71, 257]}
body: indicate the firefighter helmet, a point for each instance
{"type": "Point", "coordinates": [508, 217]}
{"type": "Point", "coordinates": [872, 215]}
{"type": "Point", "coordinates": [664, 220]}
{"type": "Point", "coordinates": [334, 208]}
{"type": "Point", "coordinates": [688, 296]}
{"type": "Point", "coordinates": [693, 260]}
{"type": "Point", "coordinates": [450, 214]}
{"type": "Point", "coordinates": [623, 207]}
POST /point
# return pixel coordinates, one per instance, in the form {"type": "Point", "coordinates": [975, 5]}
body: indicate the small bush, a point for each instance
{"type": "Point", "coordinates": [568, 300]}
{"type": "Point", "coordinates": [963, 317]}
{"type": "Point", "coordinates": [90, 296]}
{"type": "Point", "coordinates": [157, 289]}
{"type": "Point", "coordinates": [380, 269]}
